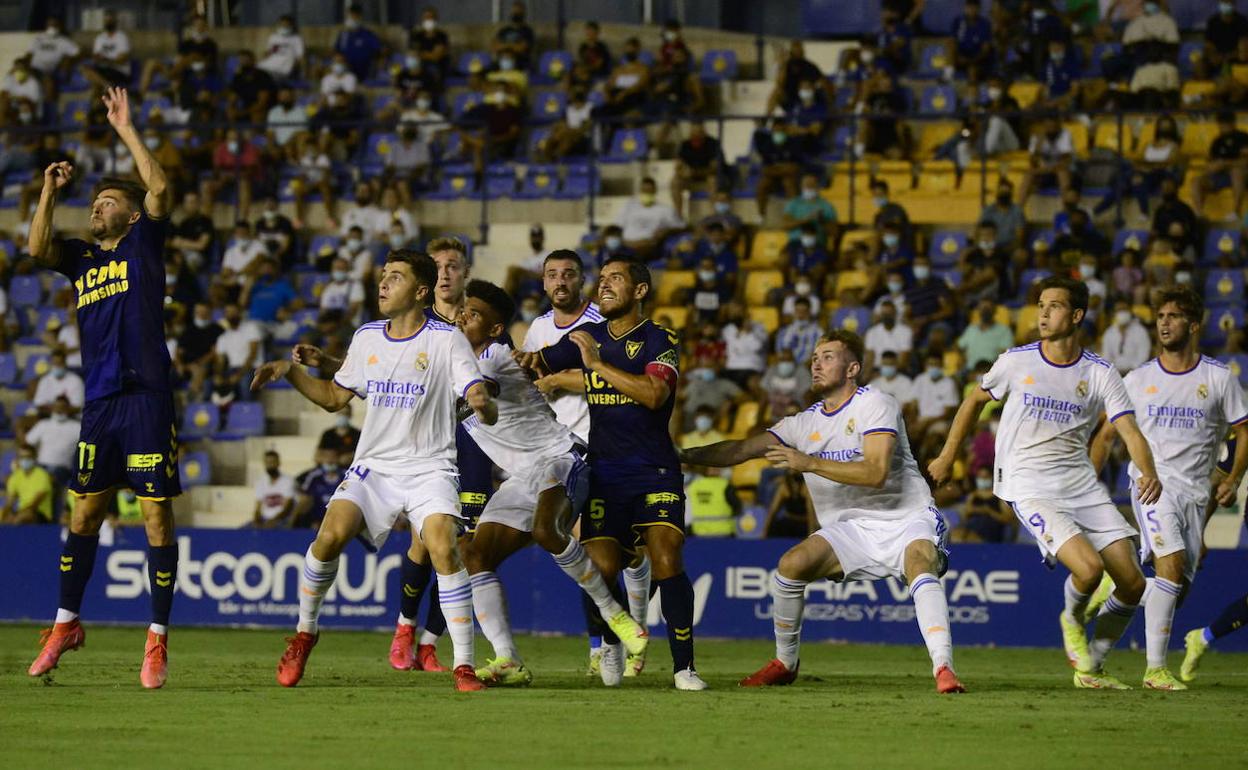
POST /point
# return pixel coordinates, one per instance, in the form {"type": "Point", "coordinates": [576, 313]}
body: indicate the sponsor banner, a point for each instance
{"type": "Point", "coordinates": [998, 594]}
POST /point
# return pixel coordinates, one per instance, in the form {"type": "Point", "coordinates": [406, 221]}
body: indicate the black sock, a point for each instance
{"type": "Point", "coordinates": [77, 561]}
{"type": "Point", "coordinates": [162, 573]}
{"type": "Point", "coordinates": [676, 598]}
{"type": "Point", "coordinates": [415, 581]}
{"type": "Point", "coordinates": [435, 621]}
{"type": "Point", "coordinates": [1234, 616]}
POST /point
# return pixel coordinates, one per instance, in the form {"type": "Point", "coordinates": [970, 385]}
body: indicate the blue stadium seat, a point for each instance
{"type": "Point", "coordinates": [1047, 237]}
{"type": "Point", "coordinates": [26, 291]}
{"type": "Point", "coordinates": [383, 75]}
{"type": "Point", "coordinates": [932, 62]}
{"type": "Point", "coordinates": [7, 459]}
{"type": "Point", "coordinates": [377, 152]}
{"type": "Point", "coordinates": [200, 420]}
{"type": "Point", "coordinates": [548, 106]}
{"type": "Point", "coordinates": [536, 137]}
{"type": "Point", "coordinates": [229, 67]}
{"type": "Point", "coordinates": [719, 65]}
{"type": "Point", "coordinates": [36, 366]}
{"type": "Point", "coordinates": [539, 182]}
{"type": "Point", "coordinates": [454, 185]}
{"type": "Point", "coordinates": [245, 418]}
{"type": "Point", "coordinates": [1218, 241]}
{"type": "Point", "coordinates": [938, 100]}
{"type": "Point", "coordinates": [23, 408]}
{"type": "Point", "coordinates": [323, 245]}
{"type": "Point", "coordinates": [1029, 277]}
{"type": "Point", "coordinates": [1222, 319]}
{"type": "Point", "coordinates": [8, 368]}
{"type": "Point", "coordinates": [552, 67]}
{"type": "Point", "coordinates": [75, 112]}
{"type": "Point", "coordinates": [465, 101]}
{"type": "Point", "coordinates": [474, 62]}
{"type": "Point", "coordinates": [153, 104]}
{"type": "Point", "coordinates": [382, 101]}
{"type": "Point", "coordinates": [8, 250]}
{"type": "Point", "coordinates": [1130, 239]}
{"type": "Point", "coordinates": [947, 246]}
{"type": "Point", "coordinates": [1190, 54]}
{"type": "Point", "coordinates": [1100, 52]}
{"type": "Point", "coordinates": [627, 145]}
{"type": "Point", "coordinates": [579, 181]}
{"type": "Point", "coordinates": [309, 286]}
{"type": "Point", "coordinates": [77, 82]}
{"type": "Point", "coordinates": [48, 318]}
{"type": "Point", "coordinates": [195, 469]}
{"type": "Point", "coordinates": [855, 319]}
{"type": "Point", "coordinates": [500, 181]}
{"type": "Point", "coordinates": [1224, 287]}
{"type": "Point", "coordinates": [1238, 364]}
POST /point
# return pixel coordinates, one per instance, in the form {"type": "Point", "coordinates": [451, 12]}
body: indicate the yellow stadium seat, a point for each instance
{"type": "Point", "coordinates": [678, 315]}
{"type": "Point", "coordinates": [932, 134]}
{"type": "Point", "coordinates": [1194, 90]}
{"type": "Point", "coordinates": [749, 472]}
{"type": "Point", "coordinates": [899, 174]}
{"type": "Point", "coordinates": [745, 419]}
{"type": "Point", "coordinates": [766, 315]}
{"type": "Point", "coordinates": [1026, 93]}
{"type": "Point", "coordinates": [851, 280]}
{"type": "Point", "coordinates": [1025, 323]}
{"type": "Point", "coordinates": [852, 238]}
{"type": "Point", "coordinates": [1143, 312]}
{"type": "Point", "coordinates": [672, 282]}
{"type": "Point", "coordinates": [940, 176]}
{"type": "Point", "coordinates": [767, 249]}
{"type": "Point", "coordinates": [1106, 136]}
{"type": "Point", "coordinates": [1078, 135]}
{"type": "Point", "coordinates": [1197, 136]}
{"type": "Point", "coordinates": [759, 283]}
{"type": "Point", "coordinates": [1002, 315]}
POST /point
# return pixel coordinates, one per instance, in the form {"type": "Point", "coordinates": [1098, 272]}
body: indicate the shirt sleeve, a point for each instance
{"type": "Point", "coordinates": [492, 364]}
{"type": "Point", "coordinates": [997, 381]}
{"type": "Point", "coordinates": [1114, 396]}
{"type": "Point", "coordinates": [562, 355]}
{"type": "Point", "coordinates": [1233, 408]}
{"type": "Point", "coordinates": [465, 371]}
{"type": "Point", "coordinates": [351, 374]}
{"type": "Point", "coordinates": [880, 414]}
{"type": "Point", "coordinates": [787, 430]}
{"type": "Point", "coordinates": [666, 364]}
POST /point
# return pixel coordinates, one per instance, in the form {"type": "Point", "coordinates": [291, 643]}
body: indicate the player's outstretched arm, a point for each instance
{"type": "Point", "coordinates": [870, 471]}
{"type": "Point", "coordinates": [724, 453]}
{"type": "Point", "coordinates": [311, 355]}
{"type": "Point", "coordinates": [40, 243]}
{"type": "Point", "coordinates": [479, 398]}
{"type": "Point", "coordinates": [326, 394]}
{"type": "Point", "coordinates": [159, 200]}
{"type": "Point", "coordinates": [570, 381]}
{"type": "Point", "coordinates": [941, 468]}
{"type": "Point", "coordinates": [646, 389]}
{"type": "Point", "coordinates": [1147, 486]}
{"type": "Point", "coordinates": [1239, 464]}
{"type": "Point", "coordinates": [1102, 444]}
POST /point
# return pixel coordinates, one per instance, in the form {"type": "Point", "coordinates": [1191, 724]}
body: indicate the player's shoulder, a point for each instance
{"type": "Point", "coordinates": [1018, 353]}
{"type": "Point", "coordinates": [1094, 360]}
{"type": "Point", "coordinates": [659, 331]}
{"type": "Point", "coordinates": [370, 330]}
{"type": "Point", "coordinates": [1215, 364]}
{"type": "Point", "coordinates": [496, 353]}
{"type": "Point", "coordinates": [866, 397]}
{"type": "Point", "coordinates": [437, 326]}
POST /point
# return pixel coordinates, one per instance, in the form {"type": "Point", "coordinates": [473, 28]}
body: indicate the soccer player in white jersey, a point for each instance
{"type": "Point", "coordinates": [1056, 393]}
{"type": "Point", "coordinates": [563, 278]}
{"type": "Point", "coordinates": [546, 470]}
{"type": "Point", "coordinates": [876, 514]}
{"type": "Point", "coordinates": [1184, 403]}
{"type": "Point", "coordinates": [411, 370]}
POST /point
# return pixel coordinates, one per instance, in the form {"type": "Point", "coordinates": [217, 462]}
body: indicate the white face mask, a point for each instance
{"type": "Point", "coordinates": [1087, 271]}
{"type": "Point", "coordinates": [354, 244]}
{"type": "Point", "coordinates": [802, 288]}
{"type": "Point", "coordinates": [987, 245]}
{"type": "Point", "coordinates": [423, 105]}
{"type": "Point", "coordinates": [429, 25]}
{"type": "Point", "coordinates": [809, 194]}
{"type": "Point", "coordinates": [340, 275]}
{"type": "Point", "coordinates": [285, 30]}
{"type": "Point", "coordinates": [806, 95]}
{"type": "Point", "coordinates": [809, 241]}
{"type": "Point", "coordinates": [706, 276]}
{"type": "Point", "coordinates": [1122, 317]}
{"type": "Point", "coordinates": [412, 62]}
{"type": "Point", "coordinates": [506, 64]}
{"type": "Point", "coordinates": [338, 68]}
{"type": "Point", "coordinates": [994, 93]}
{"type": "Point", "coordinates": [786, 368]}
{"type": "Point", "coordinates": [397, 241]}
{"type": "Point", "coordinates": [983, 484]}
{"type": "Point", "coordinates": [59, 417]}
{"type": "Point", "coordinates": [27, 464]}
{"type": "Point", "coordinates": [613, 242]}
{"type": "Point", "coordinates": [922, 272]}
{"type": "Point", "coordinates": [895, 287]}
{"type": "Point", "coordinates": [934, 372]}
{"type": "Point", "coordinates": [1183, 278]}
{"type": "Point", "coordinates": [152, 142]}
{"type": "Point", "coordinates": [722, 208]}
{"type": "Point", "coordinates": [891, 240]}
{"type": "Point", "coordinates": [888, 371]}
{"type": "Point", "coordinates": [703, 423]}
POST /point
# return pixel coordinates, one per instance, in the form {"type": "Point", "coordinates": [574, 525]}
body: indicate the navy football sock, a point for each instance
{"type": "Point", "coordinates": [676, 598]}
{"type": "Point", "coordinates": [77, 561]}
{"type": "Point", "coordinates": [162, 573]}
{"type": "Point", "coordinates": [415, 581]}
{"type": "Point", "coordinates": [1233, 617]}
{"type": "Point", "coordinates": [435, 621]}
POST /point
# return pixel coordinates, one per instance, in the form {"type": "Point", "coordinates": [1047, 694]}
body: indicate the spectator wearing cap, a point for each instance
{"type": "Point", "coordinates": [359, 45]}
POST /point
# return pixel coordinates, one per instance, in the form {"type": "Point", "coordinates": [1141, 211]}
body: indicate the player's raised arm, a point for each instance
{"type": "Point", "coordinates": [1148, 486]}
{"type": "Point", "coordinates": [326, 394]}
{"type": "Point", "coordinates": [941, 467]}
{"type": "Point", "coordinates": [870, 471]}
{"type": "Point", "coordinates": [733, 452]}
{"type": "Point", "coordinates": [650, 389]}
{"type": "Point", "coordinates": [159, 200]}
{"type": "Point", "coordinates": [40, 244]}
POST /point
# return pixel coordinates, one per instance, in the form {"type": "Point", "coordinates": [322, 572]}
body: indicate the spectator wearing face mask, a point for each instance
{"type": "Point", "coordinates": [28, 492]}
{"type": "Point", "coordinates": [795, 70]}
{"type": "Point", "coordinates": [746, 341]}
{"type": "Point", "coordinates": [242, 257]}
{"type": "Point", "coordinates": [1098, 292]}
{"type": "Point", "coordinates": [627, 87]}
{"type": "Point", "coordinates": [937, 398]}
{"type": "Point", "coordinates": [110, 56]}
{"type": "Point", "coordinates": [1127, 275]}
{"type": "Point", "coordinates": [360, 47]}
{"type": "Point", "coordinates": [367, 215]}
{"type": "Point", "coordinates": [888, 335]}
{"type": "Point", "coordinates": [515, 38]}
{"type": "Point", "coordinates": [55, 440]}
{"type": "Point", "coordinates": [889, 378]}
{"type": "Point", "coordinates": [355, 252]}
{"type": "Point", "coordinates": [338, 79]}
{"type": "Point", "coordinates": [611, 245]}
{"type": "Point", "coordinates": [314, 488]}
{"type": "Point", "coordinates": [571, 134]}
{"type": "Point", "coordinates": [343, 437]}
{"type": "Point", "coordinates": [285, 121]}
{"type": "Point", "coordinates": [284, 50]}
{"type": "Point", "coordinates": [275, 495]}
{"type": "Point", "coordinates": [432, 44]}
{"type": "Point", "coordinates": [802, 288]}
{"type": "Point", "coordinates": [786, 383]}
{"type": "Point", "coordinates": [196, 347]}
{"type": "Point", "coordinates": [808, 119]}
{"type": "Point", "coordinates": [52, 52]}
{"type": "Point", "coordinates": [238, 348]}
{"type": "Point", "coordinates": [985, 518]}
{"type": "Point", "coordinates": [894, 292]}
{"type": "Point", "coordinates": [892, 251]}
{"type": "Point", "coordinates": [1006, 216]}
{"type": "Point", "coordinates": [494, 127]}
{"type": "Point", "coordinates": [780, 163]}
{"type": "Point", "coordinates": [714, 245]}
{"type": "Point", "coordinates": [928, 300]}
{"type": "Point", "coordinates": [268, 291]}
{"type": "Point", "coordinates": [57, 382]}
{"type": "Point", "coordinates": [276, 232]}
{"type": "Point", "coordinates": [800, 335]}
{"type": "Point", "coordinates": [986, 338]}
{"type": "Point", "coordinates": [711, 292]}
{"type": "Point", "coordinates": [646, 223]}
{"type": "Point", "coordinates": [1126, 343]}
{"type": "Point", "coordinates": [234, 161]}
{"type": "Point", "coordinates": [807, 257]}
{"type": "Point", "coordinates": [194, 234]}
{"type": "Point", "coordinates": [985, 267]}
{"type": "Point", "coordinates": [707, 391]}
{"type": "Point", "coordinates": [343, 292]}
{"type": "Point", "coordinates": [312, 173]}
{"type": "Point", "coordinates": [810, 208]}
{"type": "Point", "coordinates": [721, 206]}
{"type": "Point", "coordinates": [703, 432]}
{"type": "Point", "coordinates": [1223, 31]}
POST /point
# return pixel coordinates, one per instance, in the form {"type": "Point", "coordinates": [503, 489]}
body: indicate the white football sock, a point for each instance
{"type": "Point", "coordinates": [1111, 624]}
{"type": "Point", "coordinates": [932, 613]}
{"type": "Point", "coordinates": [158, 629]}
{"type": "Point", "coordinates": [428, 637]}
{"type": "Point", "coordinates": [490, 604]}
{"type": "Point", "coordinates": [455, 597]}
{"type": "Point", "coordinates": [314, 583]}
{"type": "Point", "coordinates": [789, 599]}
{"type": "Point", "coordinates": [1076, 603]}
{"type": "Point", "coordinates": [406, 621]}
{"type": "Point", "coordinates": [576, 564]}
{"type": "Point", "coordinates": [637, 584]}
{"type": "Point", "coordinates": [64, 616]}
{"type": "Point", "coordinates": [1159, 602]}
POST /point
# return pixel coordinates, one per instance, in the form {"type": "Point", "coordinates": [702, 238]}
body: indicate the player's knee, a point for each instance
{"type": "Point", "coordinates": [795, 565]}
{"type": "Point", "coordinates": [1130, 588]}
{"type": "Point", "coordinates": [1173, 568]}
{"type": "Point", "coordinates": [546, 534]}
{"type": "Point", "coordinates": [921, 556]}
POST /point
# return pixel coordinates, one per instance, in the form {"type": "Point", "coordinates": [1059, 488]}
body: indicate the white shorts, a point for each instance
{"type": "Point", "coordinates": [1172, 524]}
{"type": "Point", "coordinates": [873, 549]}
{"type": "Point", "coordinates": [515, 501]}
{"type": "Point", "coordinates": [1052, 523]}
{"type": "Point", "coordinates": [383, 497]}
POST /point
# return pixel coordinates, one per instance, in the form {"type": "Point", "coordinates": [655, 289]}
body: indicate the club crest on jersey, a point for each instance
{"type": "Point", "coordinates": [83, 478]}
{"type": "Point", "coordinates": [850, 427]}
{"type": "Point", "coordinates": [1158, 541]}
{"type": "Point", "coordinates": [422, 360]}
{"type": "Point", "coordinates": [1202, 391]}
{"type": "Point", "coordinates": [631, 349]}
{"type": "Point", "coordinates": [1081, 389]}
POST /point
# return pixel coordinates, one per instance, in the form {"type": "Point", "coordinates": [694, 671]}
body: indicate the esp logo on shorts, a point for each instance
{"type": "Point", "coordinates": [143, 462]}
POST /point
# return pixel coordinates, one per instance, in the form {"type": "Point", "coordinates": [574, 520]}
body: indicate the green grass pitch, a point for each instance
{"type": "Point", "coordinates": [854, 706]}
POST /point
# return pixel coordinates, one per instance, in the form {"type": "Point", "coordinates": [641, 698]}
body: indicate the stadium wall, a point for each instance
{"type": "Point", "coordinates": [998, 594]}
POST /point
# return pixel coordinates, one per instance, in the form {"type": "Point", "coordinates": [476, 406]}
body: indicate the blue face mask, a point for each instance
{"type": "Point", "coordinates": [779, 137]}
{"type": "Point", "coordinates": [891, 240]}
{"type": "Point", "coordinates": [934, 372]}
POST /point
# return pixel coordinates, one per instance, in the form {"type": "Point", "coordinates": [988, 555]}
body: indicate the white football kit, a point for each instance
{"type": "Point", "coordinates": [527, 442]}
{"type": "Point", "coordinates": [1042, 466]}
{"type": "Point", "coordinates": [571, 409]}
{"type": "Point", "coordinates": [1185, 417]}
{"type": "Point", "coordinates": [868, 528]}
{"type": "Point", "coordinates": [405, 460]}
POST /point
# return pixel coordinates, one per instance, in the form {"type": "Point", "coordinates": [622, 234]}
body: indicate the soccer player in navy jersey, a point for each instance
{"type": "Point", "coordinates": [636, 494]}
{"type": "Point", "coordinates": [129, 434]}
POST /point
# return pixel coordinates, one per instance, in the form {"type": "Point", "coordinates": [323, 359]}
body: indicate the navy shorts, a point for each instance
{"type": "Point", "coordinates": [129, 440]}
{"type": "Point", "coordinates": [1226, 456]}
{"type": "Point", "coordinates": [622, 504]}
{"type": "Point", "coordinates": [476, 478]}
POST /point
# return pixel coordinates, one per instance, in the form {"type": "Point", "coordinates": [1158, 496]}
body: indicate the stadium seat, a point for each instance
{"type": "Point", "coordinates": [1224, 287]}
{"type": "Point", "coordinates": [323, 246]}
{"type": "Point", "coordinates": [377, 152]}
{"type": "Point", "coordinates": [245, 418]}
{"type": "Point", "coordinates": [580, 180]}
{"type": "Point", "coordinates": [536, 137]}
{"type": "Point", "coordinates": [932, 62]}
{"type": "Point", "coordinates": [1043, 240]}
{"type": "Point", "coordinates": [195, 469]}
{"type": "Point", "coordinates": [26, 291]}
{"type": "Point", "coordinates": [628, 144]}
{"type": "Point", "coordinates": [1100, 52]}
{"type": "Point", "coordinates": [851, 280]}
{"type": "Point", "coordinates": [1105, 135]}
{"type": "Point", "coordinates": [200, 420]}
{"type": "Point", "coordinates": [1238, 364]}
{"type": "Point", "coordinates": [1025, 323]}
{"type": "Point", "coordinates": [1196, 137]}
{"type": "Point", "coordinates": [672, 283]}
{"type": "Point", "coordinates": [750, 522]}
{"type": "Point", "coordinates": [747, 474]}
{"type": "Point", "coordinates": [855, 319]}
{"type": "Point", "coordinates": [75, 111]}
{"type": "Point", "coordinates": [932, 134]}
{"type": "Point", "coordinates": [745, 420]}
{"type": "Point", "coordinates": [474, 62]}
{"type": "Point", "coordinates": [719, 65]}
{"type": "Point", "coordinates": [310, 286]}
{"type": "Point", "coordinates": [1030, 276]}
{"type": "Point", "coordinates": [36, 366]}
{"type": "Point", "coordinates": [1078, 136]}
{"type": "Point", "coordinates": [1130, 239]}
{"type": "Point", "coordinates": [1025, 92]}
{"type": "Point", "coordinates": [947, 246]}
{"type": "Point", "coordinates": [8, 369]}
{"type": "Point", "coordinates": [1190, 54]}
{"type": "Point", "coordinates": [674, 316]}
{"type": "Point", "coordinates": [23, 408]}
{"type": "Point", "coordinates": [766, 315]}
{"type": "Point", "coordinates": [465, 101]}
{"type": "Point", "coordinates": [8, 249]}
{"type": "Point", "coordinates": [548, 106]}
{"type": "Point", "coordinates": [552, 66]}
{"type": "Point", "coordinates": [767, 249]}
{"type": "Point", "coordinates": [952, 277]}
{"type": "Point", "coordinates": [1220, 241]}
{"type": "Point", "coordinates": [500, 181]}
{"type": "Point", "coordinates": [50, 318]}
{"type": "Point", "coordinates": [760, 283]}
{"type": "Point", "coordinates": [539, 182]}
{"type": "Point", "coordinates": [454, 185]}
{"type": "Point", "coordinates": [1222, 319]}
{"type": "Point", "coordinates": [7, 458]}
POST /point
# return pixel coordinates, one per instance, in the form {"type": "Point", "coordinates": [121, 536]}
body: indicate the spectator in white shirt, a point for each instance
{"type": "Point", "coordinates": [314, 173]}
{"type": "Point", "coordinates": [888, 334]}
{"type": "Point", "coordinates": [937, 397]}
{"type": "Point", "coordinates": [801, 335]}
{"type": "Point", "coordinates": [22, 86]}
{"type": "Point", "coordinates": [746, 346]}
{"type": "Point", "coordinates": [429, 123]}
{"type": "Point", "coordinates": [51, 51]}
{"type": "Point", "coordinates": [786, 383]}
{"type": "Point", "coordinates": [55, 439]}
{"type": "Point", "coordinates": [275, 495]}
{"type": "Point", "coordinates": [646, 222]}
{"type": "Point", "coordinates": [285, 120]}
{"type": "Point", "coordinates": [343, 292]}
{"type": "Point", "coordinates": [373, 221]}
{"type": "Point", "coordinates": [110, 56]}
{"type": "Point", "coordinates": [238, 347]}
{"type": "Point", "coordinates": [889, 379]}
{"type": "Point", "coordinates": [392, 211]}
{"type": "Point", "coordinates": [1052, 153]}
{"type": "Point", "coordinates": [284, 50]}
{"type": "Point", "coordinates": [355, 252]}
{"type": "Point", "coordinates": [339, 79]}
{"type": "Point", "coordinates": [59, 382]}
{"type": "Point", "coordinates": [1125, 343]}
{"type": "Point", "coordinates": [244, 253]}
